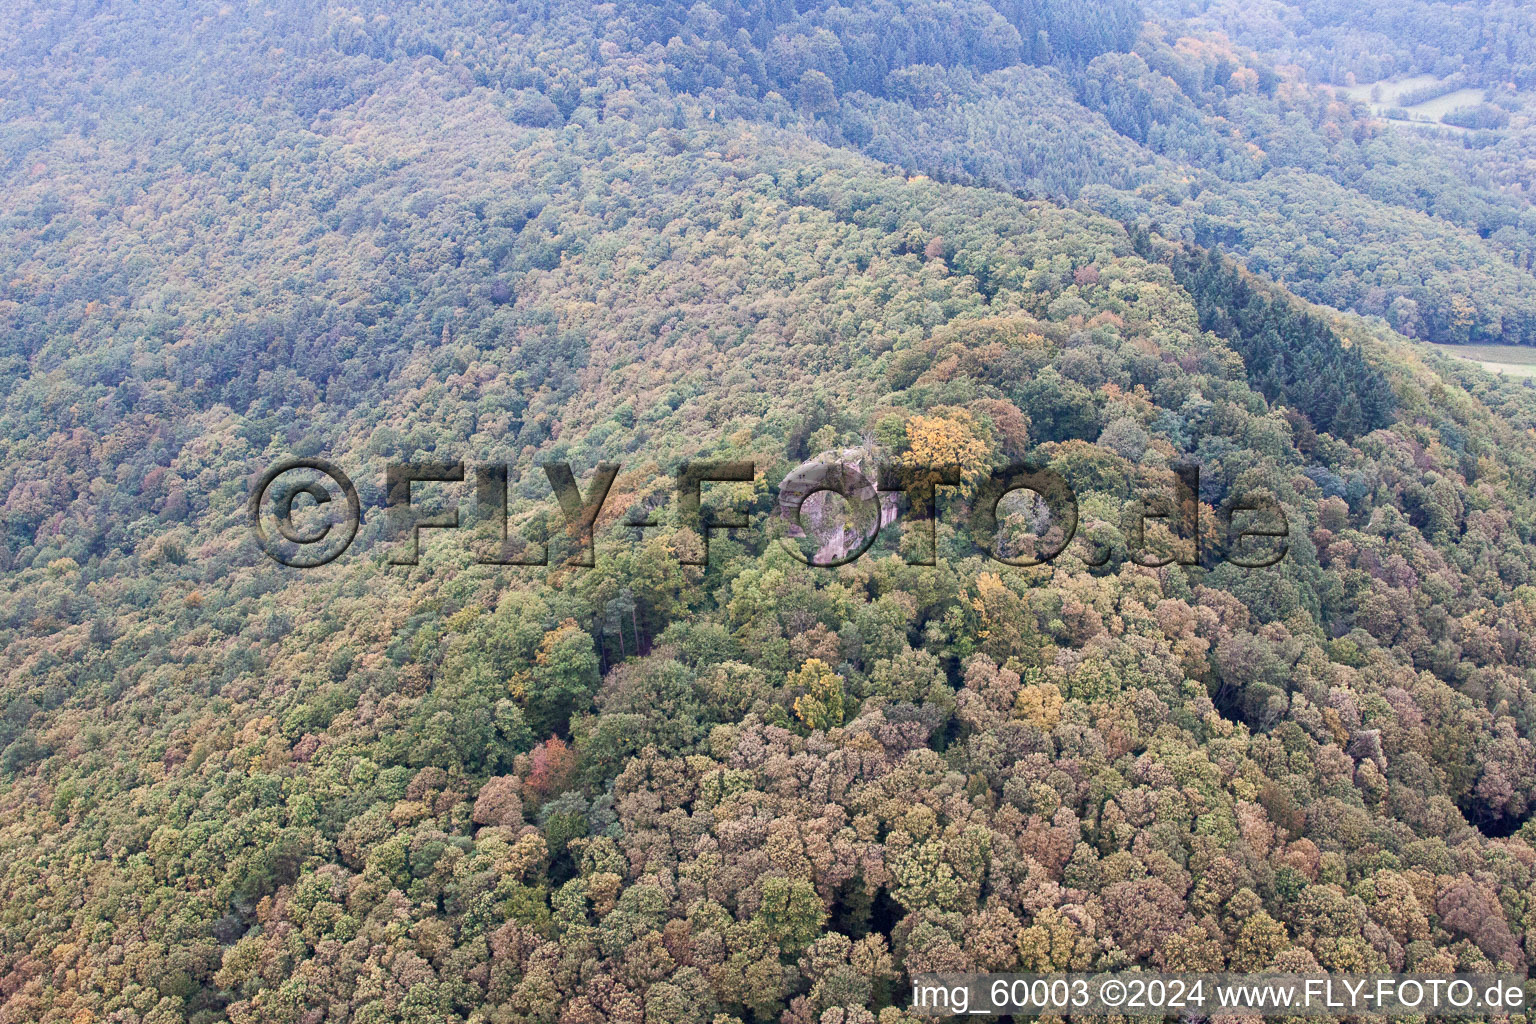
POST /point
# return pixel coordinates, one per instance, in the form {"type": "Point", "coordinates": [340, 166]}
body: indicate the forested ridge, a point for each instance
{"type": "Point", "coordinates": [753, 790]}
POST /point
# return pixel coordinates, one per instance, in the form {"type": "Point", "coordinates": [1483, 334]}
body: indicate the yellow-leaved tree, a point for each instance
{"type": "Point", "coordinates": [944, 440]}
{"type": "Point", "coordinates": [821, 705]}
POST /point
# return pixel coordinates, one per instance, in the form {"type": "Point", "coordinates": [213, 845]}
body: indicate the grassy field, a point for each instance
{"type": "Point", "coordinates": [1439, 107]}
{"type": "Point", "coordinates": [1510, 360]}
{"type": "Point", "coordinates": [1385, 95]}
{"type": "Point", "coordinates": [1390, 89]}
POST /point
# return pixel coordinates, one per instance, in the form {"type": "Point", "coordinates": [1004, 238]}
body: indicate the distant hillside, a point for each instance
{"type": "Point", "coordinates": [1048, 98]}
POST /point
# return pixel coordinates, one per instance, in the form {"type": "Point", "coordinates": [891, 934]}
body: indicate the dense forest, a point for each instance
{"type": "Point", "coordinates": [929, 232]}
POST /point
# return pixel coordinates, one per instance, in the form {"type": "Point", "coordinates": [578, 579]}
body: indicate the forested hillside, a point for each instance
{"type": "Point", "coordinates": [957, 233]}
